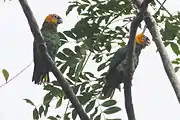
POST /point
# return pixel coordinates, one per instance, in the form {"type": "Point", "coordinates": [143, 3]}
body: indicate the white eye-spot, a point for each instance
{"type": "Point", "coordinates": [144, 37]}
{"type": "Point", "coordinates": [54, 16]}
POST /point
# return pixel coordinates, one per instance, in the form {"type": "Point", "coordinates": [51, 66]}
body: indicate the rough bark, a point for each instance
{"type": "Point", "coordinates": [130, 63]}
{"type": "Point", "coordinates": [152, 26]}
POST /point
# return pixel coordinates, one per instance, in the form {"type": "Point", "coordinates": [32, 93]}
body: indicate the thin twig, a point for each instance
{"type": "Point", "coordinates": [65, 110]}
{"type": "Point", "coordinates": [144, 29]}
{"type": "Point", "coordinates": [16, 75]}
{"type": "Point", "coordinates": [161, 5]}
{"type": "Point", "coordinates": [164, 8]}
{"type": "Point", "coordinates": [152, 26]}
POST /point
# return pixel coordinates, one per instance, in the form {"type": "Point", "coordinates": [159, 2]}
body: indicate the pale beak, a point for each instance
{"type": "Point", "coordinates": [59, 20]}
{"type": "Point", "coordinates": [147, 41]}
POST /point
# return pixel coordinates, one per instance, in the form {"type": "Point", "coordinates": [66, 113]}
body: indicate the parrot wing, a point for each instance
{"type": "Point", "coordinates": [40, 70]}
{"type": "Point", "coordinates": [114, 77]}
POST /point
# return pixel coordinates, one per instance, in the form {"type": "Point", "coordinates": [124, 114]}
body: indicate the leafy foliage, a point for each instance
{"type": "Point", "coordinates": [5, 74]}
{"type": "Point", "coordinates": [170, 33]}
{"type": "Point", "coordinates": [102, 29]}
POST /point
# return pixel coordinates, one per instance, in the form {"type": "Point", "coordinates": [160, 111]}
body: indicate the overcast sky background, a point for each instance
{"type": "Point", "coordinates": [153, 96]}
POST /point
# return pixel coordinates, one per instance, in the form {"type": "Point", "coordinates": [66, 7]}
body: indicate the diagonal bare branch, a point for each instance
{"type": "Point", "coordinates": [43, 50]}
{"type": "Point", "coordinates": [130, 53]}
{"type": "Point", "coordinates": [152, 26]}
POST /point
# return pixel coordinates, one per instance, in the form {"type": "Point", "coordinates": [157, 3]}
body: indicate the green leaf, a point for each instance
{"type": "Point", "coordinates": [57, 116]}
{"type": "Point", "coordinates": [46, 109]}
{"type": "Point", "coordinates": [178, 59]}
{"type": "Point", "coordinates": [57, 92]}
{"type": "Point", "coordinates": [35, 114]}
{"type": "Point", "coordinates": [79, 67]}
{"type": "Point", "coordinates": [112, 110]}
{"type": "Point", "coordinates": [99, 59]}
{"type": "Point", "coordinates": [100, 19]}
{"type": "Point", "coordinates": [70, 8]}
{"type": "Point", "coordinates": [47, 98]}
{"type": "Point", "coordinates": [77, 49]}
{"type": "Point", "coordinates": [69, 34]}
{"type": "Point", "coordinates": [108, 103]}
{"type": "Point", "coordinates": [68, 52]}
{"type": "Point", "coordinates": [114, 119]}
{"type": "Point", "coordinates": [74, 114]}
{"type": "Point", "coordinates": [107, 18]}
{"type": "Point", "coordinates": [170, 31]}
{"type": "Point", "coordinates": [72, 62]}
{"type": "Point", "coordinates": [58, 63]}
{"type": "Point", "coordinates": [52, 118]}
{"type": "Point", "coordinates": [63, 67]}
{"type": "Point", "coordinates": [81, 7]}
{"type": "Point", "coordinates": [90, 106]}
{"type": "Point", "coordinates": [98, 117]}
{"type": "Point", "coordinates": [76, 88]}
{"type": "Point", "coordinates": [102, 66]}
{"type": "Point", "coordinates": [71, 71]}
{"type": "Point", "coordinates": [94, 113]}
{"type": "Point", "coordinates": [90, 74]}
{"type": "Point", "coordinates": [5, 74]}
{"type": "Point", "coordinates": [176, 62]}
{"type": "Point", "coordinates": [66, 116]}
{"type": "Point", "coordinates": [41, 110]}
{"type": "Point", "coordinates": [176, 69]}
{"type": "Point", "coordinates": [62, 36]}
{"type": "Point", "coordinates": [88, 43]}
{"type": "Point", "coordinates": [61, 56]}
{"type": "Point", "coordinates": [83, 86]}
{"type": "Point", "coordinates": [87, 1]}
{"type": "Point", "coordinates": [108, 47]}
{"type": "Point", "coordinates": [175, 48]}
{"type": "Point", "coordinates": [96, 86]}
{"type": "Point", "coordinates": [167, 43]}
{"type": "Point", "coordinates": [29, 101]}
{"type": "Point", "coordinates": [48, 87]}
{"type": "Point", "coordinates": [58, 104]}
{"type": "Point", "coordinates": [83, 99]}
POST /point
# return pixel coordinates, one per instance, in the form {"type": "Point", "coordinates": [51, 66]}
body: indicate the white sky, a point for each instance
{"type": "Point", "coordinates": [153, 96]}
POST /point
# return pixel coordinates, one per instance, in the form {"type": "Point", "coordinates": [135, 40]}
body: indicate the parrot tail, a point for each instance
{"type": "Point", "coordinates": [40, 75]}
{"type": "Point", "coordinates": [41, 72]}
{"type": "Point", "coordinates": [108, 91]}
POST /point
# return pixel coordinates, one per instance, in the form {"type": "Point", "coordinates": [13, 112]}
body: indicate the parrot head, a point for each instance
{"type": "Point", "coordinates": [53, 19]}
{"type": "Point", "coordinates": [143, 40]}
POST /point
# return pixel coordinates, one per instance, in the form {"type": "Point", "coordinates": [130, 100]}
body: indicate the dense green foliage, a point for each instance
{"type": "Point", "coordinates": [102, 29]}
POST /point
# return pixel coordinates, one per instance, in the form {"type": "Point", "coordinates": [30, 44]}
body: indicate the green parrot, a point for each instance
{"type": "Point", "coordinates": [114, 76]}
{"type": "Point", "coordinates": [52, 40]}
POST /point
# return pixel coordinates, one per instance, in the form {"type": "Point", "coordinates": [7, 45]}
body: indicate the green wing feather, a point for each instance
{"type": "Point", "coordinates": [41, 71]}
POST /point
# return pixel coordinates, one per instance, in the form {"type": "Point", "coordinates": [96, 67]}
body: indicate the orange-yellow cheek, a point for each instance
{"type": "Point", "coordinates": [142, 41]}
{"type": "Point", "coordinates": [139, 41]}
{"type": "Point", "coordinates": [48, 19]}
{"type": "Point", "coordinates": [54, 21]}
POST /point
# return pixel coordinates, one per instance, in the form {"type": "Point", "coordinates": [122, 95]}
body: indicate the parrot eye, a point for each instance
{"type": "Point", "coordinates": [54, 16]}
{"type": "Point", "coordinates": [144, 37]}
